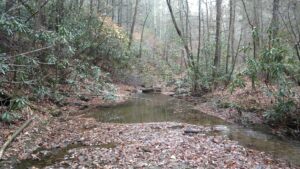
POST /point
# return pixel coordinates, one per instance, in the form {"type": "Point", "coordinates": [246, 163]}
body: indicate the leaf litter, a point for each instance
{"type": "Point", "coordinates": [143, 145]}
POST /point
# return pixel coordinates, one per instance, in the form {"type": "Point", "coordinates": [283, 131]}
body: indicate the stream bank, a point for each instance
{"type": "Point", "coordinates": [150, 140]}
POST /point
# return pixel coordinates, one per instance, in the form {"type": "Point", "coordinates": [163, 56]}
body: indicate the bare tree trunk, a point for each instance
{"type": "Point", "coordinates": [294, 29]}
{"type": "Point", "coordinates": [59, 13]}
{"type": "Point", "coordinates": [199, 32]}
{"type": "Point", "coordinates": [254, 39]}
{"type": "Point", "coordinates": [113, 10]}
{"type": "Point", "coordinates": [71, 5]}
{"type": "Point", "coordinates": [142, 35]}
{"type": "Point", "coordinates": [217, 58]}
{"type": "Point", "coordinates": [133, 23]}
{"type": "Point", "coordinates": [207, 21]}
{"type": "Point", "coordinates": [128, 16]}
{"type": "Point", "coordinates": [230, 34]}
{"type": "Point", "coordinates": [81, 4]}
{"type": "Point", "coordinates": [120, 13]}
{"type": "Point", "coordinates": [187, 25]}
{"type": "Point", "coordinates": [98, 6]}
{"type": "Point", "coordinates": [274, 27]}
{"type": "Point", "coordinates": [190, 58]}
{"type": "Point", "coordinates": [185, 43]}
{"type": "Point", "coordinates": [207, 33]}
{"type": "Point", "coordinates": [257, 28]}
{"type": "Point", "coordinates": [76, 5]}
{"type": "Point", "coordinates": [155, 17]}
{"type": "Point", "coordinates": [91, 8]}
{"type": "Point", "coordinates": [181, 9]}
{"type": "Point", "coordinates": [234, 57]}
{"type": "Point", "coordinates": [233, 32]}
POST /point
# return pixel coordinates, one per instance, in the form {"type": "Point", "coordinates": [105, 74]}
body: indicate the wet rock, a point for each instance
{"type": "Point", "coordinates": [60, 103]}
{"type": "Point", "coordinates": [220, 128]}
{"type": "Point", "coordinates": [148, 90]}
{"type": "Point", "coordinates": [84, 107]}
{"type": "Point", "coordinates": [176, 127]}
{"type": "Point", "coordinates": [182, 91]}
{"type": "Point", "coordinates": [77, 104]}
{"type": "Point", "coordinates": [5, 99]}
{"type": "Point", "coordinates": [191, 131]}
{"type": "Point", "coordinates": [169, 93]}
{"type": "Point", "coordinates": [157, 89]}
{"type": "Point", "coordinates": [56, 113]}
{"type": "Point", "coordinates": [89, 126]}
{"type": "Point", "coordinates": [146, 149]}
{"type": "Point", "coordinates": [45, 153]}
{"type": "Point", "coordinates": [217, 140]}
{"type": "Point", "coordinates": [155, 127]}
{"type": "Point", "coordinates": [152, 90]}
{"type": "Point", "coordinates": [84, 98]}
{"type": "Point", "coordinates": [173, 157]}
{"type": "Point", "coordinates": [81, 158]}
{"type": "Point", "coordinates": [142, 164]}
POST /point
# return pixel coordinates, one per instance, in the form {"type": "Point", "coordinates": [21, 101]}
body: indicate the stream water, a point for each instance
{"type": "Point", "coordinates": [161, 108]}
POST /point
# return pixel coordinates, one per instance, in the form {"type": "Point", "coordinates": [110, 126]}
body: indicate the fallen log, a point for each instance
{"type": "Point", "coordinates": [16, 133]}
{"type": "Point", "coordinates": [147, 90]}
{"type": "Point", "coordinates": [191, 131]}
{"type": "Point", "coordinates": [151, 90]}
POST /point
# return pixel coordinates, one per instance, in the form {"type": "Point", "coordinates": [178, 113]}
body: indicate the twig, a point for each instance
{"type": "Point", "coordinates": [43, 5]}
{"type": "Point", "coordinates": [29, 52]}
{"type": "Point", "coordinates": [11, 138]}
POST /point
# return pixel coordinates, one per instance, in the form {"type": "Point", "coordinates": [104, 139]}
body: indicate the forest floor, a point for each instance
{"type": "Point", "coordinates": [74, 141]}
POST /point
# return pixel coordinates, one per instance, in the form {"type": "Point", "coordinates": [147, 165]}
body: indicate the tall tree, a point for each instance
{"type": "Point", "coordinates": [142, 35]}
{"type": "Point", "coordinates": [113, 8]}
{"type": "Point", "coordinates": [206, 43]}
{"type": "Point", "coordinates": [199, 32]}
{"type": "Point", "coordinates": [230, 42]}
{"type": "Point", "coordinates": [81, 4]}
{"type": "Point", "coordinates": [133, 23]}
{"type": "Point", "coordinates": [120, 12]}
{"type": "Point", "coordinates": [59, 13]}
{"type": "Point", "coordinates": [255, 38]}
{"type": "Point", "coordinates": [217, 58]}
{"type": "Point", "coordinates": [181, 36]}
{"type": "Point", "coordinates": [91, 8]}
{"type": "Point", "coordinates": [188, 25]}
{"type": "Point", "coordinates": [274, 27]}
{"type": "Point", "coordinates": [196, 88]}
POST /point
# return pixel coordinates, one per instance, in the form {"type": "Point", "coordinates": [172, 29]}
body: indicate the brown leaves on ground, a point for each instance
{"type": "Point", "coordinates": [151, 145]}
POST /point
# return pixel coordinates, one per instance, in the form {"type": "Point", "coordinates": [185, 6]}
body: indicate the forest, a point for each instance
{"type": "Point", "coordinates": [149, 84]}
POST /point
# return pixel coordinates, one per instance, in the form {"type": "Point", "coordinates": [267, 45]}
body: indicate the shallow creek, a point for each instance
{"type": "Point", "coordinates": [160, 108]}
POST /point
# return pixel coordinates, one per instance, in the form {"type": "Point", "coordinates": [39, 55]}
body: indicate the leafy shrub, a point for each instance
{"type": "Point", "coordinates": [280, 112]}
{"type": "Point", "coordinates": [238, 82]}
